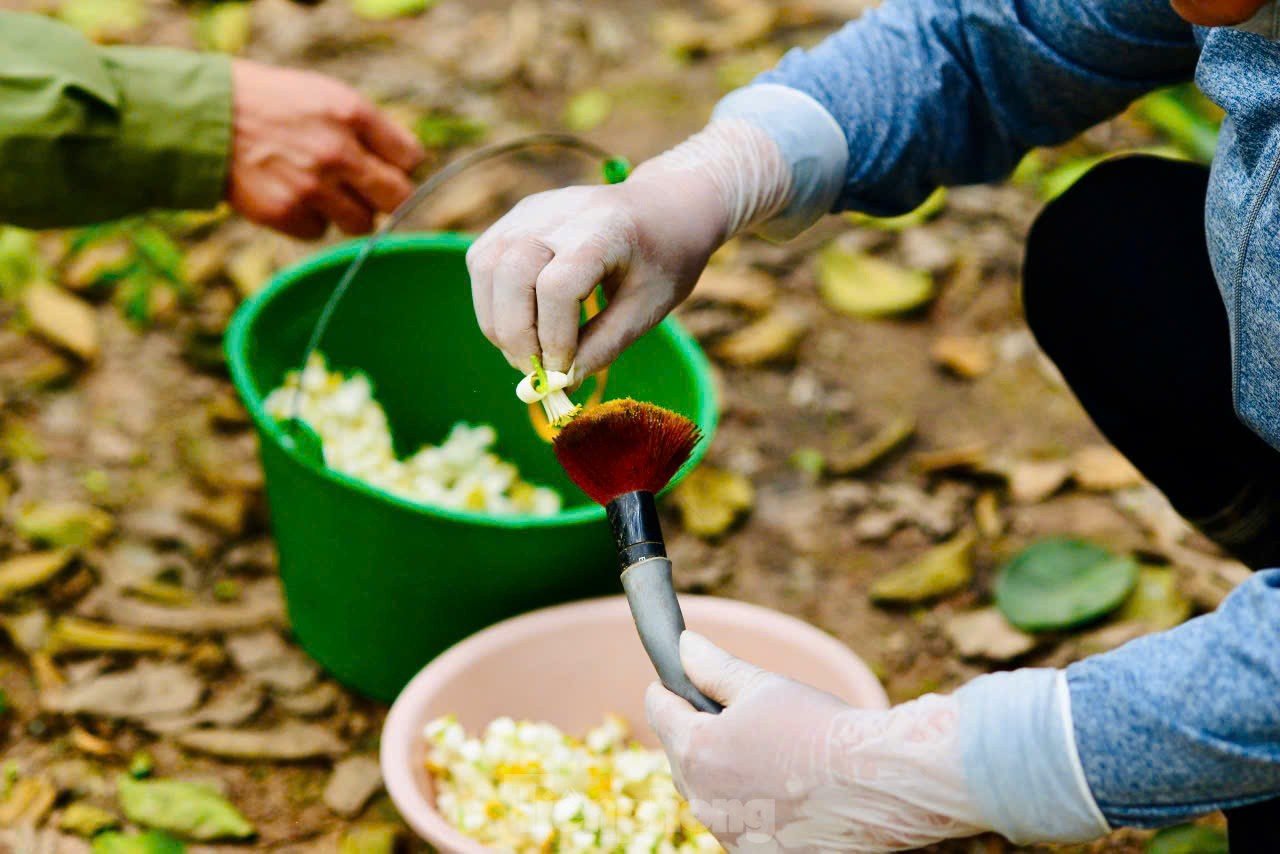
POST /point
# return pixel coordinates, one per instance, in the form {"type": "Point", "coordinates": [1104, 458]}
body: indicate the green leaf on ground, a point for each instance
{"type": "Point", "coordinates": [587, 110]}
{"type": "Point", "coordinates": [1061, 583]}
{"type": "Point", "coordinates": [187, 809]}
{"type": "Point", "coordinates": [445, 130]}
{"type": "Point", "coordinates": [225, 27]}
{"type": "Point", "coordinates": [1188, 839]}
{"type": "Point", "coordinates": [152, 842]}
{"type": "Point", "coordinates": [924, 212]}
{"type": "Point", "coordinates": [383, 10]}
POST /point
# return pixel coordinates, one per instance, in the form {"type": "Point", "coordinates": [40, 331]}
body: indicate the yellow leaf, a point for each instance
{"type": "Point", "coordinates": [711, 499]}
{"type": "Point", "coordinates": [864, 286]}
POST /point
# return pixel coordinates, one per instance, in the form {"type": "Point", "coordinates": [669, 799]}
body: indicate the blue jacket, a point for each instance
{"type": "Point", "coordinates": [922, 93]}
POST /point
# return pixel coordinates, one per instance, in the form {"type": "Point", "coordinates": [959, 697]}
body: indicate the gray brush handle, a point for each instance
{"type": "Point", "coordinates": [656, 612]}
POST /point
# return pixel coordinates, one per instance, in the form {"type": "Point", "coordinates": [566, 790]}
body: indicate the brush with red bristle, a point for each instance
{"type": "Point", "coordinates": [622, 453]}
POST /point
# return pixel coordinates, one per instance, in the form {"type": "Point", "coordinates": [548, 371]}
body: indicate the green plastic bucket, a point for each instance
{"type": "Point", "coordinates": [377, 586]}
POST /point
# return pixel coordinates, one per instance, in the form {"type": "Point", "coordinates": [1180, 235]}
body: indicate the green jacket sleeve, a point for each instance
{"type": "Point", "coordinates": [92, 133]}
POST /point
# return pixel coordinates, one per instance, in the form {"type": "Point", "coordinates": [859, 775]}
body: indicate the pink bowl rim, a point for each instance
{"type": "Point", "coordinates": [400, 730]}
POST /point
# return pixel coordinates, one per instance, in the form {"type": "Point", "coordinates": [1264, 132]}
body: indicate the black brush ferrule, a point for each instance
{"type": "Point", "coordinates": [637, 533]}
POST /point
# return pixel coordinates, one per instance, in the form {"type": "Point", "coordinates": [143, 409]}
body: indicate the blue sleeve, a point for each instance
{"type": "Point", "coordinates": [937, 92]}
{"type": "Point", "coordinates": [1185, 722]}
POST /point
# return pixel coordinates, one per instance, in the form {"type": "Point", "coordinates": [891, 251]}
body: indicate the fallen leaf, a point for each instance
{"type": "Point", "coordinates": [104, 20]}
{"type": "Point", "coordinates": [146, 690]}
{"type": "Point", "coordinates": [63, 523]}
{"type": "Point", "coordinates": [383, 10]}
{"type": "Point", "coordinates": [963, 458]}
{"type": "Point", "coordinates": [370, 839]}
{"type": "Point", "coordinates": [1032, 481]}
{"type": "Point", "coordinates": [943, 569]}
{"type": "Point", "coordinates": [101, 259]}
{"type": "Point", "coordinates": [250, 266]}
{"type": "Point", "coordinates": [893, 435]}
{"type": "Point", "coordinates": [287, 742]}
{"type": "Point", "coordinates": [31, 570]}
{"type": "Point", "coordinates": [226, 512]}
{"type": "Point", "coordinates": [28, 802]}
{"type": "Point", "coordinates": [1207, 579]}
{"type": "Point", "coordinates": [353, 782]}
{"type": "Point", "coordinates": [224, 27]}
{"type": "Point", "coordinates": [750, 22]}
{"type": "Point", "coordinates": [1060, 583]}
{"type": "Point", "coordinates": [587, 110]}
{"type": "Point", "coordinates": [62, 319]}
{"type": "Point", "coordinates": [151, 842]}
{"type": "Point", "coordinates": [261, 604]}
{"type": "Point", "coordinates": [187, 809]}
{"type": "Point", "coordinates": [965, 356]}
{"type": "Point", "coordinates": [228, 709]}
{"type": "Point", "coordinates": [746, 288]}
{"type": "Point", "coordinates": [985, 633]}
{"type": "Point", "coordinates": [1100, 468]}
{"type": "Point", "coordinates": [27, 630]}
{"type": "Point", "coordinates": [86, 820]}
{"type": "Point", "coordinates": [1156, 602]}
{"type": "Point", "coordinates": [771, 338]}
{"type": "Point", "coordinates": [323, 697]}
{"type": "Point", "coordinates": [1106, 638]}
{"type": "Point", "coordinates": [86, 742]}
{"type": "Point", "coordinates": [710, 500]}
{"type": "Point", "coordinates": [986, 515]}
{"type": "Point", "coordinates": [75, 634]}
{"type": "Point", "coordinates": [1188, 839]}
{"type": "Point", "coordinates": [865, 286]}
{"type": "Point", "coordinates": [268, 660]}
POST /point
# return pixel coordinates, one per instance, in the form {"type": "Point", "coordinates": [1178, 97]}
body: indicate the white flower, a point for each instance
{"type": "Point", "coordinates": [461, 472]}
{"type": "Point", "coordinates": [526, 787]}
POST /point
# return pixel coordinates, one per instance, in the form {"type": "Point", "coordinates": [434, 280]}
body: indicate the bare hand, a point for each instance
{"type": "Point", "coordinates": [308, 150]}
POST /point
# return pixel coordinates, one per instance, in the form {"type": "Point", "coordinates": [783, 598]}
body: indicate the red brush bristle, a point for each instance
{"type": "Point", "coordinates": [625, 446]}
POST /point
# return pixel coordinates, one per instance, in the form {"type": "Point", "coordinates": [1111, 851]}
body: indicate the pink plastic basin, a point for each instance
{"type": "Point", "coordinates": [570, 665]}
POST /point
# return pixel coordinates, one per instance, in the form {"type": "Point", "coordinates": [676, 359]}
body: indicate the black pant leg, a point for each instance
{"type": "Point", "coordinates": [1119, 293]}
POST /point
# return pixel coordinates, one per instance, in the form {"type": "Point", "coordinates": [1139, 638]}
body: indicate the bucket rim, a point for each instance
{"type": "Point", "coordinates": [236, 348]}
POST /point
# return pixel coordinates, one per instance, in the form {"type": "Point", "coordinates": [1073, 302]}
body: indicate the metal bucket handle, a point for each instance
{"type": "Point", "coordinates": [298, 434]}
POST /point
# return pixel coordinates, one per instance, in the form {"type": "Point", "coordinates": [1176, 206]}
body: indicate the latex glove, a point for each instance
{"type": "Point", "coordinates": [786, 767]}
{"type": "Point", "coordinates": [645, 240]}
{"type": "Point", "coordinates": [307, 150]}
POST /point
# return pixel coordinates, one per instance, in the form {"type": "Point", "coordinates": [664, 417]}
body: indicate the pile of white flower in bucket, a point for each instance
{"type": "Point", "coordinates": [462, 473]}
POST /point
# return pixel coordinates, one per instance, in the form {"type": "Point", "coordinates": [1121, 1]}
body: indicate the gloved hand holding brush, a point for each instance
{"type": "Point", "coordinates": [788, 767]}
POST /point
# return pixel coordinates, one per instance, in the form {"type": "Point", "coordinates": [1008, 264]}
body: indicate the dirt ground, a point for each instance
{"type": "Point", "coordinates": [148, 429]}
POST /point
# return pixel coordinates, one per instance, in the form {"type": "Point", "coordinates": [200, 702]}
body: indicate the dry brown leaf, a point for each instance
{"type": "Point", "coordinates": [260, 605]}
{"type": "Point", "coordinates": [711, 499]}
{"type": "Point", "coordinates": [317, 700]}
{"type": "Point", "coordinates": [985, 633]}
{"type": "Point", "coordinates": [147, 690]}
{"type": "Point", "coordinates": [744, 288]}
{"type": "Point", "coordinates": [965, 356]}
{"type": "Point", "coordinates": [29, 801]}
{"type": "Point", "coordinates": [62, 319]}
{"type": "Point", "coordinates": [1101, 468]}
{"type": "Point", "coordinates": [1032, 481]}
{"type": "Point", "coordinates": [354, 781]}
{"type": "Point", "coordinates": [772, 338]}
{"type": "Point", "coordinates": [250, 266]}
{"type": "Point", "coordinates": [265, 658]}
{"type": "Point", "coordinates": [964, 458]}
{"type": "Point", "coordinates": [986, 515]}
{"type": "Point", "coordinates": [885, 441]}
{"type": "Point", "coordinates": [230, 708]}
{"type": "Point", "coordinates": [288, 742]}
